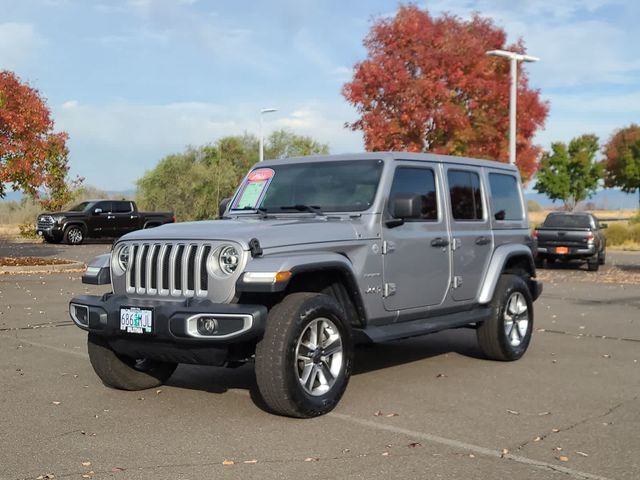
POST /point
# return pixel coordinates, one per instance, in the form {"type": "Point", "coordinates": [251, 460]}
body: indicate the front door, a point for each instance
{"type": "Point", "coordinates": [416, 254]}
{"type": "Point", "coordinates": [471, 235]}
{"type": "Point", "coordinates": [101, 224]}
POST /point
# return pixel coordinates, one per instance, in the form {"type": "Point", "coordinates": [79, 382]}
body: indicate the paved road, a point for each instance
{"type": "Point", "coordinates": [574, 395]}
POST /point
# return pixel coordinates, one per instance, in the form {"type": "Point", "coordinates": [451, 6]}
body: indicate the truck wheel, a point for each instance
{"type": "Point", "coordinates": [602, 257]}
{"type": "Point", "coordinates": [73, 235]}
{"type": "Point", "coordinates": [126, 373]}
{"type": "Point", "coordinates": [303, 362]}
{"type": "Point", "coordinates": [593, 264]}
{"type": "Point", "coordinates": [506, 334]}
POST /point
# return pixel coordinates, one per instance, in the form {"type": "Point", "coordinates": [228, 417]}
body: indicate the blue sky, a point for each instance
{"type": "Point", "coordinates": [135, 80]}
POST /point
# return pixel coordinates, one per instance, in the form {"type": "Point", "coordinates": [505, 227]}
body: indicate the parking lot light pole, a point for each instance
{"type": "Point", "coordinates": [514, 58]}
{"type": "Point", "coordinates": [262, 112]}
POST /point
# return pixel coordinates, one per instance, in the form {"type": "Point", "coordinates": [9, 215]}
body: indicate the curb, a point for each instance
{"type": "Point", "coordinates": [66, 267]}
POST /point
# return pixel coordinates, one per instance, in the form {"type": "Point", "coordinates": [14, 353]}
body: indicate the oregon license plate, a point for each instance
{"type": "Point", "coordinates": [562, 249]}
{"type": "Point", "coordinates": [136, 320]}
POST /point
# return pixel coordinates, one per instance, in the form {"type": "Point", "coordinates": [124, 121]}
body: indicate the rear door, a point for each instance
{"type": "Point", "coordinates": [472, 238]}
{"type": "Point", "coordinates": [416, 254]}
{"type": "Point", "coordinates": [125, 219]}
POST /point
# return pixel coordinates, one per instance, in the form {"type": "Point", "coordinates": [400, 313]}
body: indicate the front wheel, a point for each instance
{"type": "Point", "coordinates": [73, 235]}
{"type": "Point", "coordinates": [506, 334]}
{"type": "Point", "coordinates": [126, 373]}
{"type": "Point", "coordinates": [303, 362]}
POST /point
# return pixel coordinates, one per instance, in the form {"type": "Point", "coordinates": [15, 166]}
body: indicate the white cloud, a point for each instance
{"type": "Point", "coordinates": [112, 145]}
{"type": "Point", "coordinates": [19, 43]}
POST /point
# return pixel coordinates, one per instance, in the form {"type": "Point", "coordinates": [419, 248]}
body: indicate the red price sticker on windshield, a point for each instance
{"type": "Point", "coordinates": [254, 189]}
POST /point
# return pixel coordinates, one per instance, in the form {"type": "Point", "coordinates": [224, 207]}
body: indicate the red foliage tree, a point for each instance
{"type": "Point", "coordinates": [32, 157]}
{"type": "Point", "coordinates": [622, 161]}
{"type": "Point", "coordinates": [428, 85]}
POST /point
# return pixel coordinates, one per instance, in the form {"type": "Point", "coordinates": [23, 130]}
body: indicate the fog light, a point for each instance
{"type": "Point", "coordinates": [207, 325]}
{"type": "Point", "coordinates": [80, 314]}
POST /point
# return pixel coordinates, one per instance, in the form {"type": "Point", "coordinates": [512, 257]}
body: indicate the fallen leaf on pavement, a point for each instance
{"type": "Point", "coordinates": [385, 454]}
{"type": "Point", "coordinates": [542, 414]}
{"type": "Point", "coordinates": [378, 413]}
{"type": "Point", "coordinates": [537, 439]}
{"type": "Point", "coordinates": [391, 415]}
{"type": "Point", "coordinates": [562, 458]}
{"type": "Point", "coordinates": [86, 464]}
{"type": "Point", "coordinates": [583, 454]}
{"type": "Point", "coordinates": [513, 412]}
{"type": "Point", "coordinates": [118, 469]}
{"type": "Point", "coordinates": [250, 461]}
{"type": "Point", "coordinates": [414, 444]}
{"type": "Point", "coordinates": [228, 462]}
{"type": "Point", "coordinates": [55, 403]}
{"type": "Point", "coordinates": [311, 459]}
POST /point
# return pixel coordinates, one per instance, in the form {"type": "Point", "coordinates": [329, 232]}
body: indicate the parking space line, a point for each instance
{"type": "Point", "coordinates": [49, 347]}
{"type": "Point", "coordinates": [468, 446]}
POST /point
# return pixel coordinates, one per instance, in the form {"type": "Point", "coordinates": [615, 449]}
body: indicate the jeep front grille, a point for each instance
{"type": "Point", "coordinates": [45, 222]}
{"type": "Point", "coordinates": [168, 269]}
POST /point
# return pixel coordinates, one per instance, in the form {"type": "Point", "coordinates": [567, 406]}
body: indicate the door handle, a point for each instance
{"type": "Point", "coordinates": [439, 242]}
{"type": "Point", "coordinates": [482, 240]}
{"type": "Point", "coordinates": [134, 216]}
{"type": "Point", "coordinates": [109, 217]}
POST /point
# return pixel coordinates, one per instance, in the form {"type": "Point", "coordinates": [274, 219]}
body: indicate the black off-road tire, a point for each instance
{"type": "Point", "coordinates": [276, 362]}
{"type": "Point", "coordinates": [602, 257]}
{"type": "Point", "coordinates": [593, 264]}
{"type": "Point", "coordinates": [73, 235]}
{"type": "Point", "coordinates": [492, 336]}
{"type": "Point", "coordinates": [125, 373]}
{"type": "Point", "coordinates": [539, 261]}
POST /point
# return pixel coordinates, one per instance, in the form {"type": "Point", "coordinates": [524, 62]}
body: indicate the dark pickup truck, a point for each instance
{"type": "Point", "coordinates": [571, 236]}
{"type": "Point", "coordinates": [97, 218]}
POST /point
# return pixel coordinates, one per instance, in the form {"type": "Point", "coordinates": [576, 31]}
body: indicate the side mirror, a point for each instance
{"type": "Point", "coordinates": [404, 206]}
{"type": "Point", "coordinates": [603, 226]}
{"type": "Point", "coordinates": [97, 211]}
{"type": "Point", "coordinates": [224, 203]}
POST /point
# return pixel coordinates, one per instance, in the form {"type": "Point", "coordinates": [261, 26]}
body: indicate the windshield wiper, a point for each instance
{"type": "Point", "coordinates": [303, 208]}
{"type": "Point", "coordinates": [260, 211]}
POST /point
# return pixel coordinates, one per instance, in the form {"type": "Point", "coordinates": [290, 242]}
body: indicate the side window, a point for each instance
{"type": "Point", "coordinates": [466, 199]}
{"type": "Point", "coordinates": [121, 207]}
{"type": "Point", "coordinates": [105, 206]}
{"type": "Point", "coordinates": [419, 181]}
{"type": "Point", "coordinates": [505, 198]}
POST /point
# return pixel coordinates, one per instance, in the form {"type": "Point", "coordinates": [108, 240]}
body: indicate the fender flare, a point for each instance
{"type": "Point", "coordinates": [79, 223]}
{"type": "Point", "coordinates": [298, 264]}
{"type": "Point", "coordinates": [499, 260]}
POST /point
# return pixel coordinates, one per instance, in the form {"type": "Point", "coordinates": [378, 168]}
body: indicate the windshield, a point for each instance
{"type": "Point", "coordinates": [567, 221]}
{"type": "Point", "coordinates": [81, 207]}
{"type": "Point", "coordinates": [329, 186]}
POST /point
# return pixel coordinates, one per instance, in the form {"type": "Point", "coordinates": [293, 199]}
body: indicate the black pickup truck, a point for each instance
{"type": "Point", "coordinates": [571, 236]}
{"type": "Point", "coordinates": [97, 218]}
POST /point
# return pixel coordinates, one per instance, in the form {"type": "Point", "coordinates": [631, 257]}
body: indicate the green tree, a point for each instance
{"type": "Point", "coordinates": [622, 153]}
{"type": "Point", "coordinates": [193, 183]}
{"type": "Point", "coordinates": [570, 173]}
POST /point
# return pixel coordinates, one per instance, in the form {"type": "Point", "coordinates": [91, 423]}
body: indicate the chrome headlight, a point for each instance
{"type": "Point", "coordinates": [228, 259]}
{"type": "Point", "coordinates": [58, 218]}
{"type": "Point", "coordinates": [122, 257]}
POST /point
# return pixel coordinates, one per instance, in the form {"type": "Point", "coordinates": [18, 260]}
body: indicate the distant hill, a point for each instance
{"type": "Point", "coordinates": [605, 199]}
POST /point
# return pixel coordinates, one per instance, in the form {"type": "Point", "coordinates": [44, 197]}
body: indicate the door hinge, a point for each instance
{"type": "Point", "coordinates": [389, 289]}
{"type": "Point", "coordinates": [457, 281]}
{"type": "Point", "coordinates": [388, 247]}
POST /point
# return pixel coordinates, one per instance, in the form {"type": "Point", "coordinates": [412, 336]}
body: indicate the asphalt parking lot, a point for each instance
{"type": "Point", "coordinates": [428, 407]}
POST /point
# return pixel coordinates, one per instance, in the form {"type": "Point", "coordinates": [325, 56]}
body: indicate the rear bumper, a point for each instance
{"type": "Point", "coordinates": [573, 252]}
{"type": "Point", "coordinates": [174, 336]}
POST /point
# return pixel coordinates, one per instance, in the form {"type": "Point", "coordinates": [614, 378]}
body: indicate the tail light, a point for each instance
{"type": "Point", "coordinates": [590, 236]}
{"type": "Point", "coordinates": [174, 219]}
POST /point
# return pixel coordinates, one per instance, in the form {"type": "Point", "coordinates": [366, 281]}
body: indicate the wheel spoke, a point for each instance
{"type": "Point", "coordinates": [320, 331]}
{"type": "Point", "coordinates": [313, 335]}
{"type": "Point", "coordinates": [306, 373]}
{"type": "Point", "coordinates": [304, 351]}
{"type": "Point", "coordinates": [332, 346]}
{"type": "Point", "coordinates": [312, 378]}
{"type": "Point", "coordinates": [326, 374]}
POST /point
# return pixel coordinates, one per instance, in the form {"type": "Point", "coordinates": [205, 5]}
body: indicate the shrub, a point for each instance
{"type": "Point", "coordinates": [634, 233]}
{"type": "Point", "coordinates": [635, 219]}
{"type": "Point", "coordinates": [617, 234]}
{"type": "Point", "coordinates": [533, 206]}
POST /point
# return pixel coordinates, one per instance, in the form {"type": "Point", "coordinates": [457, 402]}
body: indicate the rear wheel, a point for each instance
{"type": "Point", "coordinates": [126, 373]}
{"type": "Point", "coordinates": [506, 334]}
{"type": "Point", "coordinates": [593, 264]}
{"type": "Point", "coordinates": [602, 257]}
{"type": "Point", "coordinates": [303, 362]}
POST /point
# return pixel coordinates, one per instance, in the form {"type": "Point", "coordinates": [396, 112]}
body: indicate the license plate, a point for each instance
{"type": "Point", "coordinates": [562, 249]}
{"type": "Point", "coordinates": [136, 320]}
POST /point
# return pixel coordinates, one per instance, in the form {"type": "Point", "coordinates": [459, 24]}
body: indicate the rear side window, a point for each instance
{"type": "Point", "coordinates": [466, 198]}
{"type": "Point", "coordinates": [121, 207]}
{"type": "Point", "coordinates": [105, 206]}
{"type": "Point", "coordinates": [417, 181]}
{"type": "Point", "coordinates": [505, 197]}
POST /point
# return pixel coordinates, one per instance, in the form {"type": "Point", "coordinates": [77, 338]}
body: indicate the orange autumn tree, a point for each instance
{"type": "Point", "coordinates": [427, 85]}
{"type": "Point", "coordinates": [33, 158]}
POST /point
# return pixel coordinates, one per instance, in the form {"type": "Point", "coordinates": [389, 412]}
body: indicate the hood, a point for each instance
{"type": "Point", "coordinates": [64, 214]}
{"type": "Point", "coordinates": [271, 232]}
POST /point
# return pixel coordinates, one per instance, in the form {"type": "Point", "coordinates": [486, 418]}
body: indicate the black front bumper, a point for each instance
{"type": "Point", "coordinates": [55, 232]}
{"type": "Point", "coordinates": [171, 339]}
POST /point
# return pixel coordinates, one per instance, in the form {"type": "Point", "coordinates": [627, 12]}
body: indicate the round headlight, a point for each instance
{"type": "Point", "coordinates": [228, 259]}
{"type": "Point", "coordinates": [123, 257]}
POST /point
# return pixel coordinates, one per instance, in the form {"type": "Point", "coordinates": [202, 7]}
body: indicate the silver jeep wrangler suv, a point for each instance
{"type": "Point", "coordinates": [309, 257]}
